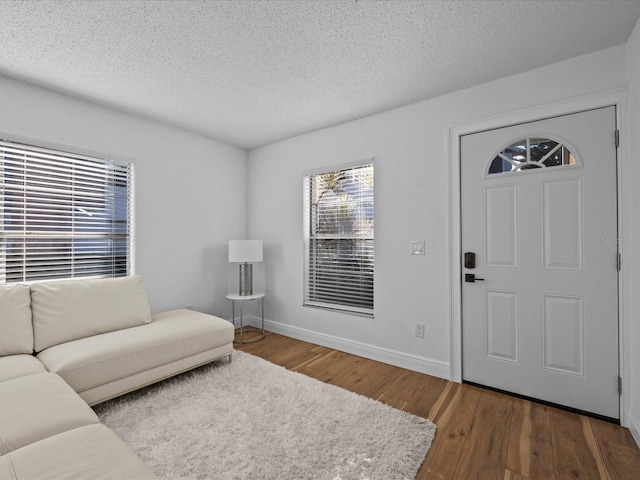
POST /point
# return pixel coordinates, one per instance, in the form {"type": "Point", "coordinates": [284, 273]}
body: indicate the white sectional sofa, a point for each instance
{"type": "Point", "coordinates": [70, 344]}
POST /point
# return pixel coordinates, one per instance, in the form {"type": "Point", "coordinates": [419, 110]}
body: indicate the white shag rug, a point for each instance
{"type": "Point", "coordinates": [251, 419]}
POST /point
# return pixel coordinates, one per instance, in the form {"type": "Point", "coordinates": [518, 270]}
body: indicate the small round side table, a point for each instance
{"type": "Point", "coordinates": [234, 297]}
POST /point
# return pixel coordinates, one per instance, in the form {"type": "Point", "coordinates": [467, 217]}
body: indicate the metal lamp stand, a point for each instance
{"type": "Point", "coordinates": [246, 279]}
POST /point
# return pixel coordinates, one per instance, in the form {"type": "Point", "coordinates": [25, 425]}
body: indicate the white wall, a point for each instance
{"type": "Point", "coordinates": [190, 190]}
{"type": "Point", "coordinates": [410, 145]}
{"type": "Point", "coordinates": [631, 138]}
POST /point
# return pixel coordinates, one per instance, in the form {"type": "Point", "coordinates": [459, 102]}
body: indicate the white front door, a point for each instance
{"type": "Point", "coordinates": [539, 212]}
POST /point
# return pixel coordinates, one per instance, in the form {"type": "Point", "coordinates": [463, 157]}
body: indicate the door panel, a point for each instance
{"type": "Point", "coordinates": [544, 321]}
{"type": "Point", "coordinates": [562, 224]}
{"type": "Point", "coordinates": [501, 232]}
{"type": "Point", "coordinates": [502, 325]}
{"type": "Point", "coordinates": [563, 327]}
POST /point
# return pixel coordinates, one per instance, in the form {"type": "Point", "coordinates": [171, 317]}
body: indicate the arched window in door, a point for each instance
{"type": "Point", "coordinates": [531, 153]}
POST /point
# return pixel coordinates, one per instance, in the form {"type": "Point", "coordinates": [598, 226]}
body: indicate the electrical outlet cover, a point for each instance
{"type": "Point", "coordinates": [417, 247]}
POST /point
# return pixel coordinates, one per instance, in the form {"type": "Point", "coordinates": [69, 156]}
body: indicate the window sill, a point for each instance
{"type": "Point", "coordinates": [338, 309]}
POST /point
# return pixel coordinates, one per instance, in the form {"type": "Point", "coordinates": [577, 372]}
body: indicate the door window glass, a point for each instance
{"type": "Point", "coordinates": [531, 153]}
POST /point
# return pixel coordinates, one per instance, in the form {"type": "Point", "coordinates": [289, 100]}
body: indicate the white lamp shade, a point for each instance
{"type": "Point", "coordinates": [245, 251]}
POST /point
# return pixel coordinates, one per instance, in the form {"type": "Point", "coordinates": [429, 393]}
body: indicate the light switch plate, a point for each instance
{"type": "Point", "coordinates": [417, 247]}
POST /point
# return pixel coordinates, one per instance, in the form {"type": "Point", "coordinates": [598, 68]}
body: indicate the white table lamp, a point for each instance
{"type": "Point", "coordinates": [243, 252]}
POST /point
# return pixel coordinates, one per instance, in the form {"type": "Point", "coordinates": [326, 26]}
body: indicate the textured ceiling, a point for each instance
{"type": "Point", "coordinates": [254, 72]}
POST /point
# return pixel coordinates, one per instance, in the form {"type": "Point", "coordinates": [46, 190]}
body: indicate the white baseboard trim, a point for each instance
{"type": "Point", "coordinates": [633, 422]}
{"type": "Point", "coordinates": [429, 366]}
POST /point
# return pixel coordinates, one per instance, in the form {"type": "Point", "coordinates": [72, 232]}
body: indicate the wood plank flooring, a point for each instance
{"type": "Point", "coordinates": [481, 434]}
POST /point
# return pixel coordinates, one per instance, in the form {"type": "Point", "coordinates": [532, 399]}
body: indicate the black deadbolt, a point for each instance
{"type": "Point", "coordinates": [469, 260]}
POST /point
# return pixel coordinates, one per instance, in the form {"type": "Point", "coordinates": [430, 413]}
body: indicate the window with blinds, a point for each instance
{"type": "Point", "coordinates": [63, 215]}
{"type": "Point", "coordinates": [339, 241]}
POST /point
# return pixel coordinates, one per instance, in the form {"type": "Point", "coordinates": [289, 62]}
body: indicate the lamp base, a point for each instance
{"type": "Point", "coordinates": [246, 279]}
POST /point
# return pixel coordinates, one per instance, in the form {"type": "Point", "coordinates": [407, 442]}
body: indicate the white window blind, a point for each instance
{"type": "Point", "coordinates": [62, 215]}
{"type": "Point", "coordinates": [339, 240]}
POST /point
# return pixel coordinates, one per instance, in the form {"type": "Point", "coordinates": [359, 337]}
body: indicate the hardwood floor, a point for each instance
{"type": "Point", "coordinates": [481, 434]}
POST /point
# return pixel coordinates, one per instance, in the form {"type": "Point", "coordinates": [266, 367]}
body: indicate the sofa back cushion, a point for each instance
{"type": "Point", "coordinates": [73, 309]}
{"type": "Point", "coordinates": [16, 331]}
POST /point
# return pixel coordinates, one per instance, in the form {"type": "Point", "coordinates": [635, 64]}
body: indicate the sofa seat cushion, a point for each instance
{"type": "Point", "coordinates": [101, 359]}
{"type": "Point", "coordinates": [90, 452]}
{"type": "Point", "coordinates": [73, 309]}
{"type": "Point", "coordinates": [36, 407]}
{"type": "Point", "coordinates": [15, 320]}
{"type": "Point", "coordinates": [15, 366]}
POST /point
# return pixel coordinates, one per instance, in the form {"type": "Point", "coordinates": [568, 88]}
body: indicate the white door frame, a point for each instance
{"type": "Point", "coordinates": [615, 98]}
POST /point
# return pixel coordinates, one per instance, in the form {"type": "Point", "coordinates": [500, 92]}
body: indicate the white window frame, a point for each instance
{"type": "Point", "coordinates": [66, 156]}
{"type": "Point", "coordinates": [310, 297]}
